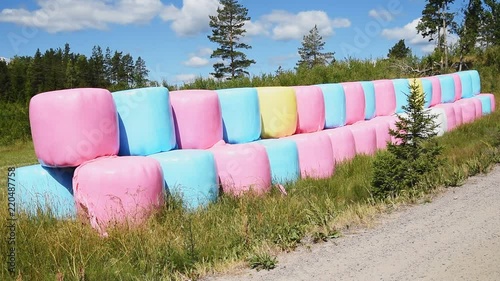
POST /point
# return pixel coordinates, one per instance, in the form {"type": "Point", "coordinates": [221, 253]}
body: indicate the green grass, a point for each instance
{"type": "Point", "coordinates": [174, 244]}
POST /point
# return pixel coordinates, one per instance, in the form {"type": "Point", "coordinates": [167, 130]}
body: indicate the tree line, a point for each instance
{"type": "Point", "coordinates": [25, 76]}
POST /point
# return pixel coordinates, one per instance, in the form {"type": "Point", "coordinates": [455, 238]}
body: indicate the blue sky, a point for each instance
{"type": "Point", "coordinates": [172, 35]}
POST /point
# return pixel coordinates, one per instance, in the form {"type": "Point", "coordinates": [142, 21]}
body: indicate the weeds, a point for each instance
{"type": "Point", "coordinates": [262, 261]}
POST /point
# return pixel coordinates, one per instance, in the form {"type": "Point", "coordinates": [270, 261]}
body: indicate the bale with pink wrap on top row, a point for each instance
{"type": "Point", "coordinates": [70, 127]}
{"type": "Point", "coordinates": [197, 118]}
{"type": "Point", "coordinates": [310, 109]}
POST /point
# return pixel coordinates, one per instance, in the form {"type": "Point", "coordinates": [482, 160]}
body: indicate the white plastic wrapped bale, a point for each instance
{"type": "Point", "coordinates": [45, 190]}
{"type": "Point", "coordinates": [72, 126]}
{"type": "Point", "coordinates": [310, 109]}
{"type": "Point", "coordinates": [440, 120]}
{"type": "Point", "coordinates": [240, 115]}
{"type": "Point", "coordinates": [190, 174]}
{"type": "Point", "coordinates": [284, 160]}
{"type": "Point", "coordinates": [146, 123]}
{"type": "Point", "coordinates": [197, 118]}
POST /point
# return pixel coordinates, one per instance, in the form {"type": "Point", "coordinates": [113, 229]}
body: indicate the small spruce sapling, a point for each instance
{"type": "Point", "coordinates": [415, 154]}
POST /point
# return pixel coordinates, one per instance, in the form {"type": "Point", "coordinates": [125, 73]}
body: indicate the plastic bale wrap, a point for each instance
{"type": "Point", "coordinates": [425, 89]}
{"type": "Point", "coordinates": [370, 102]}
{"type": "Point", "coordinates": [240, 115]}
{"type": "Point", "coordinates": [447, 88]}
{"type": "Point", "coordinates": [439, 119]}
{"type": "Point", "coordinates": [466, 83]}
{"type": "Point", "coordinates": [45, 190]}
{"type": "Point", "coordinates": [468, 108]}
{"type": "Point", "coordinates": [436, 90]}
{"type": "Point", "coordinates": [487, 103]}
{"type": "Point", "coordinates": [315, 155]}
{"type": "Point", "coordinates": [190, 174]}
{"type": "Point", "coordinates": [242, 168]}
{"type": "Point", "coordinates": [335, 105]}
{"type": "Point", "coordinates": [458, 85]}
{"type": "Point", "coordinates": [479, 108]}
{"type": "Point", "coordinates": [402, 90]}
{"type": "Point", "coordinates": [118, 190]}
{"type": "Point", "coordinates": [451, 116]}
{"type": "Point", "coordinates": [70, 127]}
{"type": "Point", "coordinates": [197, 118]}
{"type": "Point", "coordinates": [310, 109]}
{"type": "Point", "coordinates": [382, 126]}
{"type": "Point", "coordinates": [342, 141]}
{"type": "Point", "coordinates": [278, 110]}
{"type": "Point", "coordinates": [476, 81]}
{"type": "Point", "coordinates": [365, 137]}
{"type": "Point", "coordinates": [355, 102]}
{"type": "Point", "coordinates": [146, 123]}
{"type": "Point", "coordinates": [385, 97]}
{"type": "Point", "coordinates": [284, 160]}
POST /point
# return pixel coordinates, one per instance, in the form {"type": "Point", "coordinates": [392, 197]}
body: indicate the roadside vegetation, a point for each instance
{"type": "Point", "coordinates": [247, 231]}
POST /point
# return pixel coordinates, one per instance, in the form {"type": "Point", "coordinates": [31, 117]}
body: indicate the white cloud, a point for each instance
{"type": "Point", "coordinates": [65, 15]}
{"type": "Point", "coordinates": [196, 61]}
{"type": "Point", "coordinates": [283, 25]}
{"type": "Point", "coordinates": [199, 59]}
{"type": "Point", "coordinates": [410, 35]}
{"type": "Point", "coordinates": [381, 14]}
{"type": "Point", "coordinates": [5, 60]}
{"type": "Point", "coordinates": [184, 78]}
{"type": "Point", "coordinates": [192, 18]}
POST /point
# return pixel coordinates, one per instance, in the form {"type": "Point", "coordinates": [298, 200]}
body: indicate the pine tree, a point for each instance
{"type": "Point", "coordinates": [399, 51]}
{"type": "Point", "coordinates": [490, 29]}
{"type": "Point", "coordinates": [140, 73]}
{"type": "Point", "coordinates": [227, 32]}
{"type": "Point", "coordinates": [407, 163]}
{"type": "Point", "coordinates": [311, 51]}
{"type": "Point", "coordinates": [435, 23]}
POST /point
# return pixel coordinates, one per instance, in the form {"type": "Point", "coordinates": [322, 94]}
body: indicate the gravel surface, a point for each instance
{"type": "Point", "coordinates": [455, 237]}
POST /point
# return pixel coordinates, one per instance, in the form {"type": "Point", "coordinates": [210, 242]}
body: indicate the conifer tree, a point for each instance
{"type": "Point", "coordinates": [311, 51]}
{"type": "Point", "coordinates": [406, 163]}
{"type": "Point", "coordinates": [227, 32]}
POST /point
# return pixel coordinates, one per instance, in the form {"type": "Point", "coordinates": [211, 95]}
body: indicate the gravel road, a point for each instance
{"type": "Point", "coordinates": [455, 237]}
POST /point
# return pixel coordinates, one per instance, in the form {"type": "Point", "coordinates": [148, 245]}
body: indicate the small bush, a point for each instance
{"type": "Point", "coordinates": [261, 261]}
{"type": "Point", "coordinates": [405, 166]}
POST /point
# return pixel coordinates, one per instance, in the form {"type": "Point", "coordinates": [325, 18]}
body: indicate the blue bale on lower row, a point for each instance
{"type": "Point", "coordinates": [190, 174]}
{"type": "Point", "coordinates": [284, 160]}
{"type": "Point", "coordinates": [46, 190]}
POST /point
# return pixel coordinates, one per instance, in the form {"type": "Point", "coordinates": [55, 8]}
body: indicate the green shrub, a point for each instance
{"type": "Point", "coordinates": [405, 165]}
